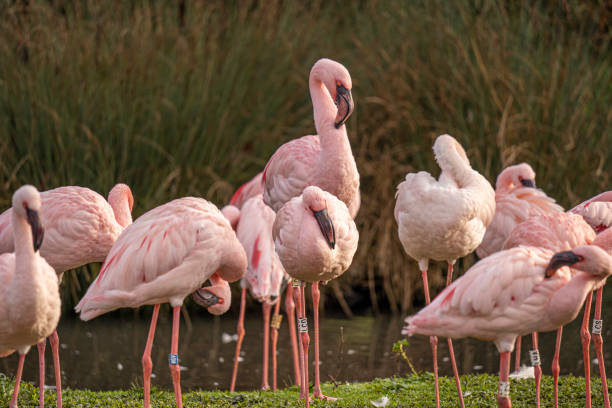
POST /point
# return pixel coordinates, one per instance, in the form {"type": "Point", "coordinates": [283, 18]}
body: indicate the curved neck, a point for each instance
{"type": "Point", "coordinates": [324, 109]}
{"type": "Point", "coordinates": [567, 301]}
{"type": "Point", "coordinates": [121, 209]}
{"type": "Point", "coordinates": [455, 168]}
{"type": "Point", "coordinates": [22, 235]}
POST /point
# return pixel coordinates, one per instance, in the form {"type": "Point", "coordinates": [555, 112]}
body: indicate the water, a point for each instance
{"type": "Point", "coordinates": [105, 353]}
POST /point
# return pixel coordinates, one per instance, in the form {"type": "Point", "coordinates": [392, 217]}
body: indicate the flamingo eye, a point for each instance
{"type": "Point", "coordinates": [580, 258]}
{"type": "Point", "coordinates": [338, 83]}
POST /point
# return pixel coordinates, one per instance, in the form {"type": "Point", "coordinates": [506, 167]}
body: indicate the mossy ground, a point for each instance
{"type": "Point", "coordinates": [414, 391]}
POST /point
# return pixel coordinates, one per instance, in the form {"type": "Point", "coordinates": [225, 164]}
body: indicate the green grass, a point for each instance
{"type": "Point", "coordinates": [414, 391]}
{"type": "Point", "coordinates": [195, 102]}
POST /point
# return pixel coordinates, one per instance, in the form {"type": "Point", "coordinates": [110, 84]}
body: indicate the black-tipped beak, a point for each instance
{"type": "Point", "coordinates": [559, 260]}
{"type": "Point", "coordinates": [528, 183]}
{"type": "Point", "coordinates": [204, 297]}
{"type": "Point", "coordinates": [327, 227]}
{"type": "Point", "coordinates": [37, 229]}
{"type": "Point", "coordinates": [344, 102]}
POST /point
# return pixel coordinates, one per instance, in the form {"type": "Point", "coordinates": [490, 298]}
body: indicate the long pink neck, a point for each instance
{"type": "Point", "coordinates": [121, 208]}
{"type": "Point", "coordinates": [567, 301]}
{"type": "Point", "coordinates": [24, 244]}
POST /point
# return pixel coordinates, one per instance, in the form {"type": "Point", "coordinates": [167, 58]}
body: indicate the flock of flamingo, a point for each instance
{"type": "Point", "coordinates": [292, 224]}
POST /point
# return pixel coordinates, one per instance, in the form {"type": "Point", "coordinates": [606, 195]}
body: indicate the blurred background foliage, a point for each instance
{"type": "Point", "coordinates": [192, 98]}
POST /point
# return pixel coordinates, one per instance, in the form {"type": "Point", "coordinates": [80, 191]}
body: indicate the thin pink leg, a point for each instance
{"type": "Point", "coordinates": [297, 293]}
{"type": "Point", "coordinates": [54, 341]}
{"type": "Point", "coordinates": [555, 366]}
{"type": "Point", "coordinates": [517, 356]}
{"type": "Point", "coordinates": [41, 372]}
{"type": "Point", "coordinates": [276, 321]}
{"type": "Point", "coordinates": [598, 342]}
{"type": "Point", "coordinates": [175, 370]}
{"type": "Point", "coordinates": [305, 343]}
{"type": "Point", "coordinates": [433, 340]}
{"type": "Point", "coordinates": [147, 363]}
{"type": "Point", "coordinates": [240, 332]}
{"type": "Point", "coordinates": [503, 392]}
{"type": "Point", "coordinates": [586, 339]}
{"type": "Point", "coordinates": [13, 403]}
{"type": "Point", "coordinates": [266, 345]}
{"type": "Point", "coordinates": [537, 368]}
{"type": "Point", "coordinates": [316, 295]}
{"type": "Point", "coordinates": [290, 310]}
{"type": "Point", "coordinates": [449, 279]}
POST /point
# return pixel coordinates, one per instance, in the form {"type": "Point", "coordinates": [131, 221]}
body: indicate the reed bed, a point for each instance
{"type": "Point", "coordinates": [192, 98]}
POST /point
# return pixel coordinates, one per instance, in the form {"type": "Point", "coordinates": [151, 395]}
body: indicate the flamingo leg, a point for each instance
{"type": "Point", "coordinates": [266, 345]}
{"type": "Point", "coordinates": [240, 331]}
{"type": "Point", "coordinates": [517, 356]}
{"type": "Point", "coordinates": [449, 279]}
{"type": "Point", "coordinates": [41, 371]}
{"type": "Point", "coordinates": [316, 295]}
{"type": "Point", "coordinates": [175, 370]}
{"type": "Point", "coordinates": [13, 403]}
{"type": "Point", "coordinates": [147, 363]}
{"type": "Point", "coordinates": [54, 341]}
{"type": "Point", "coordinates": [555, 366]}
{"type": "Point", "coordinates": [598, 342]}
{"type": "Point", "coordinates": [433, 340]}
{"type": "Point", "coordinates": [537, 368]}
{"type": "Point", "coordinates": [300, 315]}
{"type": "Point", "coordinates": [276, 322]}
{"type": "Point", "coordinates": [586, 339]}
{"type": "Point", "coordinates": [290, 310]}
{"type": "Point", "coordinates": [305, 344]}
{"type": "Point", "coordinates": [503, 393]}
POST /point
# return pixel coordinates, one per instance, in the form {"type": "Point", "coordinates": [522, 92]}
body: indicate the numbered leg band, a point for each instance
{"type": "Point", "coordinates": [276, 321]}
{"type": "Point", "coordinates": [597, 326]}
{"type": "Point", "coordinates": [504, 389]}
{"type": "Point", "coordinates": [296, 283]}
{"type": "Point", "coordinates": [173, 359]}
{"type": "Point", "coordinates": [302, 325]}
{"type": "Point", "coordinates": [534, 355]}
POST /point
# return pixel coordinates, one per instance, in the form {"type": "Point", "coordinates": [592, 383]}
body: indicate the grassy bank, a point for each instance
{"type": "Point", "coordinates": [415, 391]}
{"type": "Point", "coordinates": [180, 98]}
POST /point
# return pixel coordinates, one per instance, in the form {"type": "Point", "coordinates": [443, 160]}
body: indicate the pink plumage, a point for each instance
{"type": "Point", "coordinates": [326, 159]}
{"type": "Point", "coordinates": [248, 190]}
{"type": "Point", "coordinates": [516, 199]}
{"type": "Point", "coordinates": [596, 211]}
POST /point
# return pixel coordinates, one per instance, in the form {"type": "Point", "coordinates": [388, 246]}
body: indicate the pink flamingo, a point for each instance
{"type": "Point", "coordinates": [29, 291]}
{"type": "Point", "coordinates": [555, 232]}
{"type": "Point", "coordinates": [511, 293]}
{"type": "Point", "coordinates": [315, 238]}
{"type": "Point", "coordinates": [166, 254]}
{"type": "Point", "coordinates": [516, 199]}
{"type": "Point", "coordinates": [81, 226]}
{"type": "Point", "coordinates": [444, 220]}
{"type": "Point", "coordinates": [324, 160]}
{"type": "Point", "coordinates": [250, 189]}
{"type": "Point", "coordinates": [264, 277]}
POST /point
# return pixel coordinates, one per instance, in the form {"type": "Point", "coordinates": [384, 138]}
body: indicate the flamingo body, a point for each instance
{"type": "Point", "coordinates": [249, 189]}
{"type": "Point", "coordinates": [596, 211]}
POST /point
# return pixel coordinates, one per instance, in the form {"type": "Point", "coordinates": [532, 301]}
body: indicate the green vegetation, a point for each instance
{"type": "Point", "coordinates": [415, 391]}
{"type": "Point", "coordinates": [188, 97]}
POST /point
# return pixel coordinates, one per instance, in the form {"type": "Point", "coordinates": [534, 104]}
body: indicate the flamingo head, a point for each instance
{"type": "Point", "coordinates": [314, 199]}
{"type": "Point", "coordinates": [587, 258]}
{"type": "Point", "coordinates": [216, 298]}
{"type": "Point", "coordinates": [26, 204]}
{"type": "Point", "coordinates": [519, 175]}
{"type": "Point", "coordinates": [336, 78]}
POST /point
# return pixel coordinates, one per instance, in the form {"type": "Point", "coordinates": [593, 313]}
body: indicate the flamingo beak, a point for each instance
{"type": "Point", "coordinates": [559, 260]}
{"type": "Point", "coordinates": [344, 102]}
{"type": "Point", "coordinates": [206, 298]}
{"type": "Point", "coordinates": [327, 227]}
{"type": "Point", "coordinates": [528, 183]}
{"type": "Point", "coordinates": [37, 229]}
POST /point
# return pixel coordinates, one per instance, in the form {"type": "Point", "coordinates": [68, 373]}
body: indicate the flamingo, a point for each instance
{"type": "Point", "coordinates": [555, 232]}
{"type": "Point", "coordinates": [264, 278]}
{"type": "Point", "coordinates": [516, 199]}
{"type": "Point", "coordinates": [80, 226]}
{"type": "Point", "coordinates": [511, 293]}
{"type": "Point", "coordinates": [444, 220]}
{"type": "Point", "coordinates": [315, 238]}
{"type": "Point", "coordinates": [324, 160]}
{"type": "Point", "coordinates": [251, 188]}
{"type": "Point", "coordinates": [165, 255]}
{"type": "Point", "coordinates": [29, 291]}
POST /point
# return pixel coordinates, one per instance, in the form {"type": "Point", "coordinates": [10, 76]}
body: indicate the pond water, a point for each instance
{"type": "Point", "coordinates": [106, 353]}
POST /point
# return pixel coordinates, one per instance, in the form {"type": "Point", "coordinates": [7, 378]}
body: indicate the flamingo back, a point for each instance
{"type": "Point", "coordinates": [249, 189]}
{"type": "Point", "coordinates": [596, 211]}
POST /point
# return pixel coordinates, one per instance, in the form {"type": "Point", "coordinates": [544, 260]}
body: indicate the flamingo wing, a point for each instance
{"type": "Point", "coordinates": [249, 189]}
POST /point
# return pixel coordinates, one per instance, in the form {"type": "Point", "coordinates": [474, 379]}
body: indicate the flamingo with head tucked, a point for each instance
{"type": "Point", "coordinates": [443, 219]}
{"type": "Point", "coordinates": [324, 160]}
{"type": "Point", "coordinates": [165, 255]}
{"type": "Point", "coordinates": [511, 293]}
{"type": "Point", "coordinates": [80, 228]}
{"type": "Point", "coordinates": [29, 289]}
{"type": "Point", "coordinates": [315, 238]}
